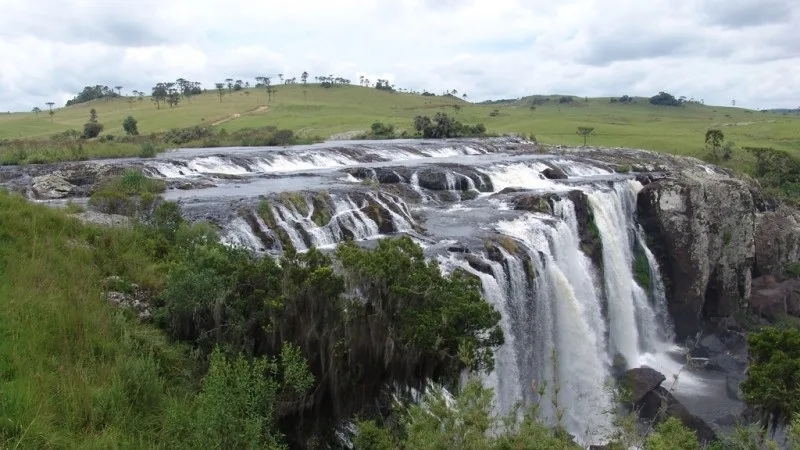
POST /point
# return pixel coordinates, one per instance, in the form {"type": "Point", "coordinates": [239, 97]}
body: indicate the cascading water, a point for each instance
{"type": "Point", "coordinates": [569, 319]}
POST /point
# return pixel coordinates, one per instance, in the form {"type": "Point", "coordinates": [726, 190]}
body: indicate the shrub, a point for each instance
{"type": "Point", "coordinates": [147, 150]}
{"type": "Point", "coordinates": [380, 129]}
{"type": "Point", "coordinates": [129, 125]}
{"type": "Point", "coordinates": [92, 130]}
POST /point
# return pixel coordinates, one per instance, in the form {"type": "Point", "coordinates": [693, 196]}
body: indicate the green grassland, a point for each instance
{"type": "Point", "coordinates": [313, 111]}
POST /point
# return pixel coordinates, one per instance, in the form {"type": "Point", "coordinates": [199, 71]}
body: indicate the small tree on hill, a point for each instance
{"type": "Point", "coordinates": [714, 139]}
{"type": "Point", "coordinates": [36, 110]}
{"type": "Point", "coordinates": [585, 132]}
{"type": "Point", "coordinates": [304, 77]}
{"type": "Point", "coordinates": [92, 115]}
{"type": "Point", "coordinates": [119, 90]}
{"type": "Point", "coordinates": [220, 90]}
{"type": "Point", "coordinates": [129, 125]}
{"type": "Point", "coordinates": [92, 130]}
{"type": "Point", "coordinates": [229, 83]}
{"type": "Point", "coordinates": [50, 105]}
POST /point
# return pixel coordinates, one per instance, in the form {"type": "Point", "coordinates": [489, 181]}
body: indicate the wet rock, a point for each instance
{"type": "Point", "coordinates": [554, 173]}
{"type": "Point", "coordinates": [540, 203]}
{"type": "Point", "coordinates": [641, 381]}
{"type": "Point", "coordinates": [458, 248]}
{"type": "Point", "coordinates": [659, 405]}
{"type": "Point", "coordinates": [479, 264]}
{"type": "Point", "coordinates": [701, 228]}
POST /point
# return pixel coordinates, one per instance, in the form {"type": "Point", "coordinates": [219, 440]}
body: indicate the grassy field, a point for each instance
{"type": "Point", "coordinates": [340, 111]}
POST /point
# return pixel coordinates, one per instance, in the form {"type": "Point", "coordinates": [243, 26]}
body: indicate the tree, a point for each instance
{"type": "Point", "coordinates": [304, 77]}
{"type": "Point", "coordinates": [129, 125]}
{"type": "Point", "coordinates": [280, 76]}
{"type": "Point", "coordinates": [36, 110]}
{"type": "Point", "coordinates": [773, 377]}
{"type": "Point", "coordinates": [92, 115]}
{"type": "Point", "coordinates": [714, 140]}
{"type": "Point", "coordinates": [159, 94]}
{"type": "Point", "coordinates": [664, 99]}
{"type": "Point", "coordinates": [220, 90]}
{"type": "Point", "coordinates": [130, 101]}
{"type": "Point", "coordinates": [50, 105]}
{"type": "Point", "coordinates": [119, 90]}
{"type": "Point", "coordinates": [229, 83]}
{"type": "Point", "coordinates": [585, 132]}
{"type": "Point", "coordinates": [464, 96]}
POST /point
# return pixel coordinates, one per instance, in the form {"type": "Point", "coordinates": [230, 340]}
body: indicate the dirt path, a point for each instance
{"type": "Point", "coordinates": [237, 115]}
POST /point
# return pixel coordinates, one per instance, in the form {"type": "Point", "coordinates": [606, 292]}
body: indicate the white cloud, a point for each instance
{"type": "Point", "coordinates": [711, 49]}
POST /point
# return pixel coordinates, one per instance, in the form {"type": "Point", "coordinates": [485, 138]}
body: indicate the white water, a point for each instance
{"type": "Point", "coordinates": [522, 175]}
{"type": "Point", "coordinates": [279, 161]}
{"type": "Point", "coordinates": [559, 310]}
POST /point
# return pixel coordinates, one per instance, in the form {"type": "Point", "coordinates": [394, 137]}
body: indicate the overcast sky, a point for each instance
{"type": "Point", "coordinates": [717, 50]}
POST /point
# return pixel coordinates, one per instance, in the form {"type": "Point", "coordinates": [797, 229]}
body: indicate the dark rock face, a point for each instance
{"type": "Point", "coordinates": [777, 241]}
{"type": "Point", "coordinates": [541, 203]}
{"type": "Point", "coordinates": [656, 403]}
{"type": "Point", "coordinates": [701, 227]}
{"type": "Point", "coordinates": [641, 381]}
{"type": "Point", "coordinates": [659, 404]}
{"type": "Point", "coordinates": [771, 299]}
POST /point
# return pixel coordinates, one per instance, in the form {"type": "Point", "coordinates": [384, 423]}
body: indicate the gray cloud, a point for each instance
{"type": "Point", "coordinates": [746, 13]}
{"type": "Point", "coordinates": [487, 48]}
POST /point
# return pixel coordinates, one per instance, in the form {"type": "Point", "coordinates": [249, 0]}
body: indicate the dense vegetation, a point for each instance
{"type": "Point", "coordinates": [90, 93]}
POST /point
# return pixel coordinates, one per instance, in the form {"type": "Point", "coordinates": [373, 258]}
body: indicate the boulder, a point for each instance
{"type": "Point", "coordinates": [641, 381]}
{"type": "Point", "coordinates": [52, 186]}
{"type": "Point", "coordinates": [554, 173]}
{"type": "Point", "coordinates": [659, 404]}
{"type": "Point", "coordinates": [540, 203]}
{"type": "Point", "coordinates": [701, 227]}
{"type": "Point", "coordinates": [128, 296]}
{"type": "Point", "coordinates": [656, 403]}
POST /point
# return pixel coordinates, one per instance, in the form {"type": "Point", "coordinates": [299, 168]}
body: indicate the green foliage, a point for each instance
{"type": "Point", "coordinates": [383, 130]}
{"type": "Point", "coordinates": [641, 271]}
{"type": "Point", "coordinates": [436, 317]}
{"type": "Point", "coordinates": [90, 93]}
{"type": "Point", "coordinates": [792, 270]}
{"type": "Point", "coordinates": [773, 380]}
{"type": "Point", "coordinates": [130, 194]}
{"type": "Point", "coordinates": [443, 126]}
{"type": "Point", "coordinates": [664, 99]}
{"type": "Point", "coordinates": [672, 435]}
{"type": "Point", "coordinates": [778, 171]}
{"type": "Point", "coordinates": [236, 407]}
{"type": "Point", "coordinates": [130, 126]}
{"type": "Point", "coordinates": [370, 436]}
{"type": "Point", "coordinates": [148, 150]}
{"type": "Point", "coordinates": [793, 433]}
{"type": "Point", "coordinates": [91, 130]}
{"type": "Point", "coordinates": [468, 422]}
{"type": "Point", "coordinates": [585, 132]}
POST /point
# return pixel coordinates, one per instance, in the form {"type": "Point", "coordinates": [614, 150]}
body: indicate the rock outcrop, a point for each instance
{"type": "Point", "coordinates": [771, 299]}
{"type": "Point", "coordinates": [777, 241]}
{"type": "Point", "coordinates": [656, 403]}
{"type": "Point", "coordinates": [701, 226]}
{"type": "Point", "coordinates": [128, 296]}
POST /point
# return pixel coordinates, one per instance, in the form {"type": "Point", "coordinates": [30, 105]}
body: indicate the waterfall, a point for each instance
{"type": "Point", "coordinates": [551, 298]}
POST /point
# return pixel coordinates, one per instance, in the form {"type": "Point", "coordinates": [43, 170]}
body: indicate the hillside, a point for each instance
{"type": "Point", "coordinates": [343, 111]}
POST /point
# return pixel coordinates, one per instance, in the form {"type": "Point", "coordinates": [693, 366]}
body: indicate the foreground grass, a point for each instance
{"type": "Point", "coordinates": [74, 372]}
{"type": "Point", "coordinates": [346, 110]}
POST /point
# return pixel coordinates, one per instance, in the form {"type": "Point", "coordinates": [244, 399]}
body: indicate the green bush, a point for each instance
{"type": "Point", "coordinates": [91, 130]}
{"type": "Point", "coordinates": [773, 379]}
{"type": "Point", "coordinates": [130, 126]}
{"type": "Point", "coordinates": [672, 435]}
{"type": "Point", "coordinates": [147, 150]}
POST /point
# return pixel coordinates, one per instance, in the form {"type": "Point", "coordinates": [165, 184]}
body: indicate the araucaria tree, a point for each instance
{"type": "Point", "coordinates": [585, 132]}
{"type": "Point", "coordinates": [304, 77]}
{"type": "Point", "coordinates": [220, 90]}
{"type": "Point", "coordinates": [51, 112]}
